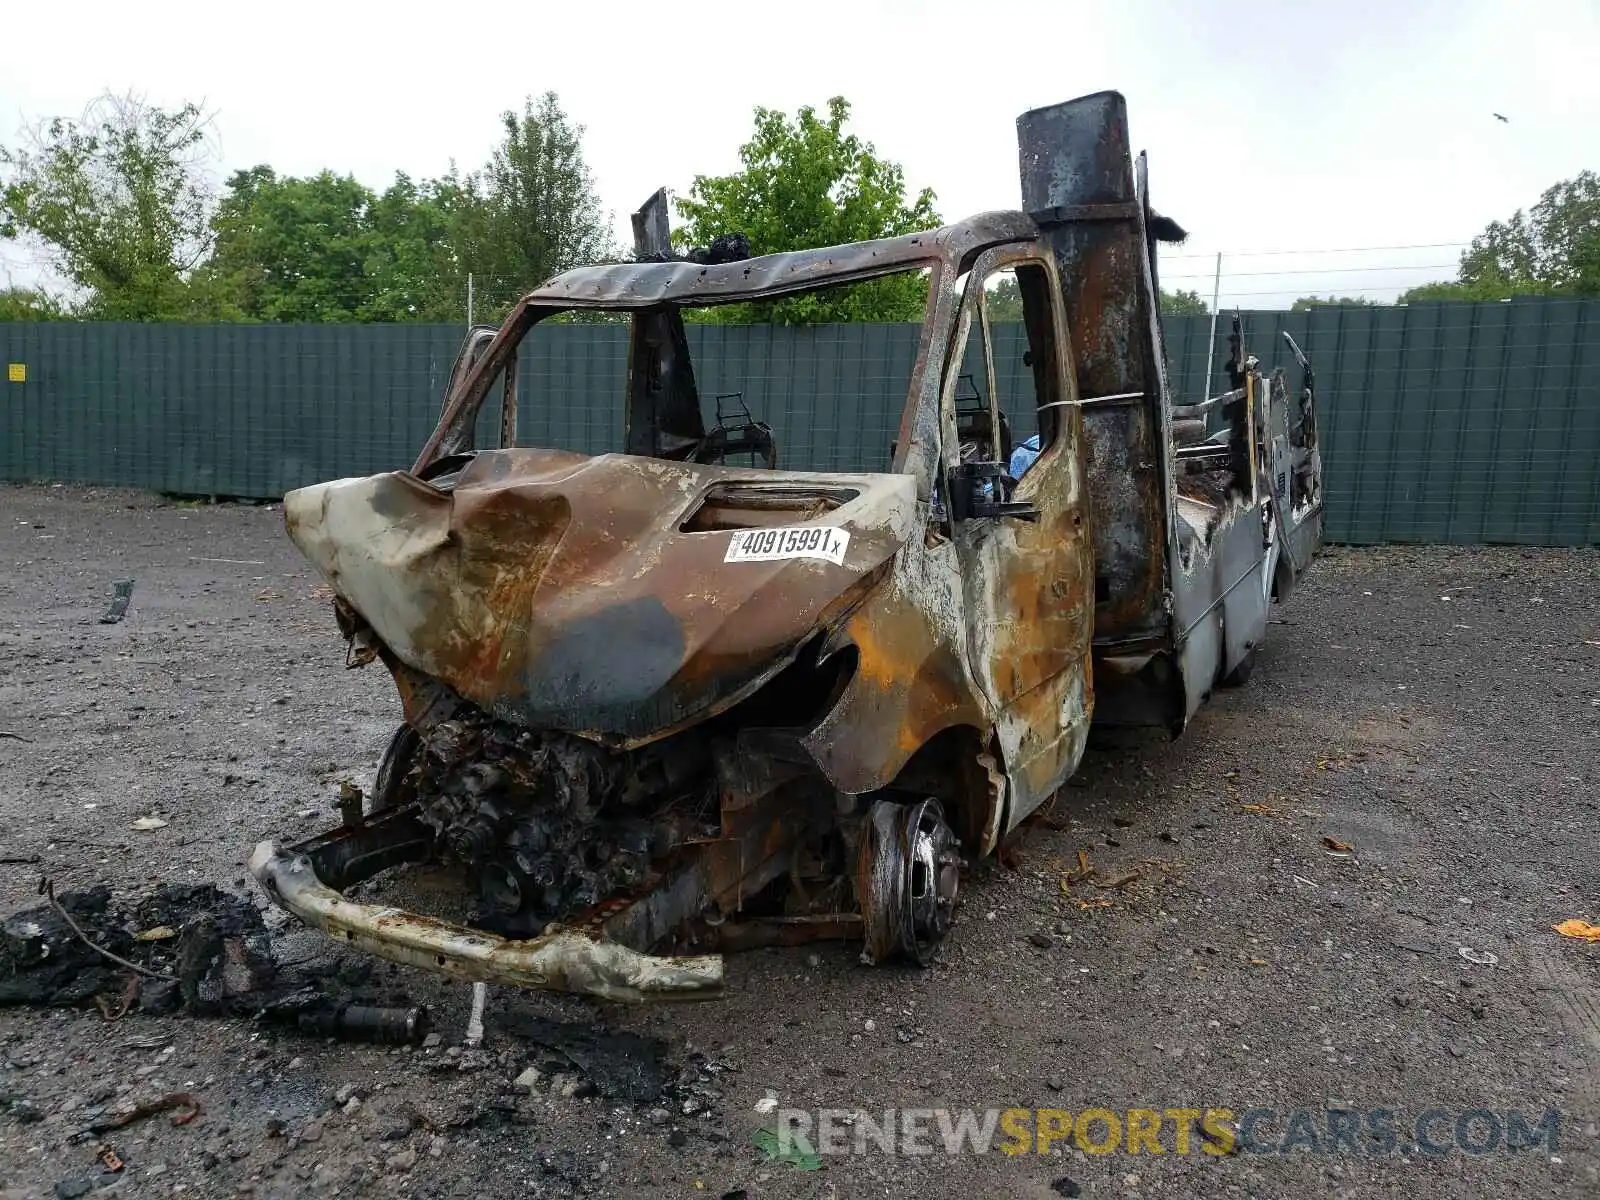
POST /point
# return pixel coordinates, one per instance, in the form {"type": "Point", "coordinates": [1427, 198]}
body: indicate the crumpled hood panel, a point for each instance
{"type": "Point", "coordinates": [556, 590]}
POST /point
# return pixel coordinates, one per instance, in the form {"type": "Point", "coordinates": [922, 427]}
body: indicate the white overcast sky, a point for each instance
{"type": "Point", "coordinates": [1270, 126]}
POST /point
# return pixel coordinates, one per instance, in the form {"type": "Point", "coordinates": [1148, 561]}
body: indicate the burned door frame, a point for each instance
{"type": "Point", "coordinates": [1027, 575]}
{"type": "Point", "coordinates": [1296, 467]}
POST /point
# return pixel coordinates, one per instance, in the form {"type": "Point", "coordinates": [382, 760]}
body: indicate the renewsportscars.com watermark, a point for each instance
{"type": "Point", "coordinates": [1180, 1131]}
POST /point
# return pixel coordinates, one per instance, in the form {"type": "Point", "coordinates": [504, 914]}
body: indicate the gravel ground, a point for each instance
{"type": "Point", "coordinates": [1436, 709]}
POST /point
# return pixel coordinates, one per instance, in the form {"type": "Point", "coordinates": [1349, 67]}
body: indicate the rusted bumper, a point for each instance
{"type": "Point", "coordinates": [559, 961]}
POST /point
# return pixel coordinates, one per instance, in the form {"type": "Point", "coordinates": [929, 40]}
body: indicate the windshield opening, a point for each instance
{"type": "Point", "coordinates": [814, 381]}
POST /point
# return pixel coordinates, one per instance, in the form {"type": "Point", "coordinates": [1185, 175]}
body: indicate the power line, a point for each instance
{"type": "Point", "coordinates": [1324, 271]}
{"type": "Point", "coordinates": [1352, 292]}
{"type": "Point", "coordinates": [1226, 254]}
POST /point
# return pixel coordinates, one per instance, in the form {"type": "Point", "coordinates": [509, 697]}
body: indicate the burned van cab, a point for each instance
{"type": "Point", "coordinates": [684, 696]}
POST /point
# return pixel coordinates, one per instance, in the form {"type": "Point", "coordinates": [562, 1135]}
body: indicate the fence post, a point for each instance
{"type": "Point", "coordinates": [1211, 339]}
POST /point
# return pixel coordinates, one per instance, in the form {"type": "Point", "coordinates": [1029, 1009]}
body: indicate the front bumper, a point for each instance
{"type": "Point", "coordinates": [307, 881]}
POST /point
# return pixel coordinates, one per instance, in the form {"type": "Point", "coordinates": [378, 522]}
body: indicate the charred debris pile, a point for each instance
{"type": "Point", "coordinates": [186, 949]}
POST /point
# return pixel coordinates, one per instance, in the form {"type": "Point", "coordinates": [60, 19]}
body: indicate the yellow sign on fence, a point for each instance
{"type": "Point", "coordinates": [16, 372]}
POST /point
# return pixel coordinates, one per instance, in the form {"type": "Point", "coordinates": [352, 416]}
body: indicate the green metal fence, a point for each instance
{"type": "Point", "coordinates": [1441, 422]}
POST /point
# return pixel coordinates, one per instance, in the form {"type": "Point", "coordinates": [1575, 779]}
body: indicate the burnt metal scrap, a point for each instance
{"type": "Point", "coordinates": [121, 595]}
{"type": "Point", "coordinates": [179, 946]}
{"type": "Point", "coordinates": [653, 241]}
{"type": "Point", "coordinates": [560, 961]}
{"type": "Point", "coordinates": [198, 950]}
{"type": "Point", "coordinates": [658, 704]}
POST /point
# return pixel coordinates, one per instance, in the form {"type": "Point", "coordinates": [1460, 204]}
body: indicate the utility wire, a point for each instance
{"type": "Point", "coordinates": [1323, 271]}
{"type": "Point", "coordinates": [1227, 254]}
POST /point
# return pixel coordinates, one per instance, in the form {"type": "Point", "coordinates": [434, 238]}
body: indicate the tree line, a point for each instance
{"type": "Point", "coordinates": [1551, 250]}
{"type": "Point", "coordinates": [120, 204]}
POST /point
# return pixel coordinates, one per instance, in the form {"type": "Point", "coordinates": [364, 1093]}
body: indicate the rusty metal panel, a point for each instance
{"type": "Point", "coordinates": [560, 960]}
{"type": "Point", "coordinates": [567, 592]}
{"type": "Point", "coordinates": [1077, 175]}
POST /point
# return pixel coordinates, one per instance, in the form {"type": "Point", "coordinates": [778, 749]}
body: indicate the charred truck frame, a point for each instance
{"type": "Point", "coordinates": [658, 705]}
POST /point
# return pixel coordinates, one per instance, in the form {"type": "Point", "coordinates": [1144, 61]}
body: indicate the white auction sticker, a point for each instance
{"type": "Point", "coordinates": [796, 541]}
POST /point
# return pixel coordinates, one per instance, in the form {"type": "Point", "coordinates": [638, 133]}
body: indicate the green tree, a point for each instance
{"type": "Point", "coordinates": [1458, 291]}
{"type": "Point", "coordinates": [1306, 303]}
{"type": "Point", "coordinates": [412, 266]}
{"type": "Point", "coordinates": [327, 248]}
{"type": "Point", "coordinates": [290, 249]}
{"type": "Point", "coordinates": [1005, 300]}
{"type": "Point", "coordinates": [1552, 250]}
{"type": "Point", "coordinates": [119, 200]}
{"type": "Point", "coordinates": [1183, 304]}
{"type": "Point", "coordinates": [30, 304]}
{"type": "Point", "coordinates": [530, 213]}
{"type": "Point", "coordinates": [804, 183]}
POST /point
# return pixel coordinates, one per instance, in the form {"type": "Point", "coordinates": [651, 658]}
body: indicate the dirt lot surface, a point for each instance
{"type": "Point", "coordinates": [1438, 710]}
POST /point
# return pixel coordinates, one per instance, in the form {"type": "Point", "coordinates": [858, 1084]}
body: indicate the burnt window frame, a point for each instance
{"type": "Point", "coordinates": [454, 433]}
{"type": "Point", "coordinates": [1044, 321]}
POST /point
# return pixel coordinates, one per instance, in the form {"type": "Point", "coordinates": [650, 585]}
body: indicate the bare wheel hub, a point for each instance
{"type": "Point", "coordinates": [909, 872]}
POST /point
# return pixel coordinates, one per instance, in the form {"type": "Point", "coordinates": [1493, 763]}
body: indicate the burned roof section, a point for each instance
{"type": "Point", "coordinates": [636, 285]}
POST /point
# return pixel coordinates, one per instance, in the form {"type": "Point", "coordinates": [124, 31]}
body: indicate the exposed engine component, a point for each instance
{"type": "Point", "coordinates": [908, 873]}
{"type": "Point", "coordinates": [543, 820]}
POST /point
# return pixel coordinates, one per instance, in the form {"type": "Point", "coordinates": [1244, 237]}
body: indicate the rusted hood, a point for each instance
{"type": "Point", "coordinates": [585, 594]}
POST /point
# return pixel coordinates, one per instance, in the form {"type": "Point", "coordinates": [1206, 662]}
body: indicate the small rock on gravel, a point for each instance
{"type": "Point", "coordinates": [527, 1081]}
{"type": "Point", "coordinates": [402, 1160]}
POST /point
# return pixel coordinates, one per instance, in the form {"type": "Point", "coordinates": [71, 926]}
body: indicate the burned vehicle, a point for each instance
{"type": "Point", "coordinates": [660, 704]}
